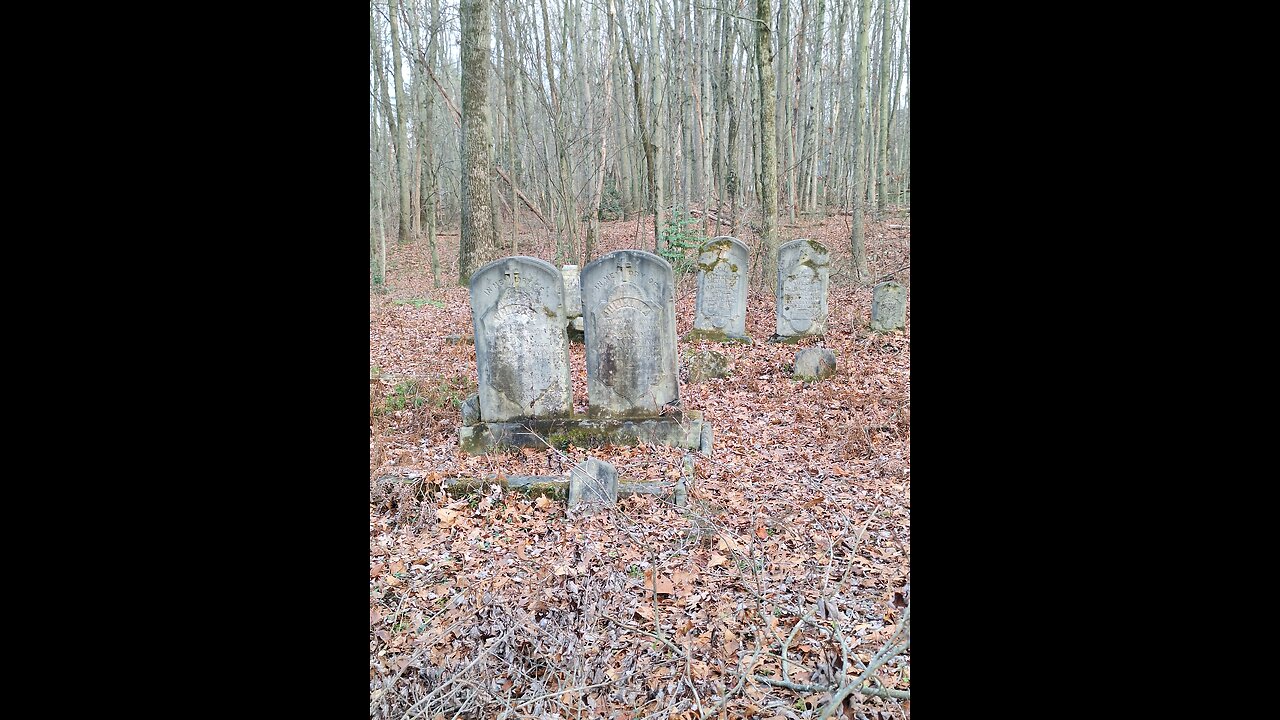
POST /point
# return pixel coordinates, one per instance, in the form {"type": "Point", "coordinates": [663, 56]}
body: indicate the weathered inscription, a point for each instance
{"type": "Point", "coordinates": [721, 308]}
{"type": "Point", "coordinates": [628, 306]}
{"type": "Point", "coordinates": [522, 351]}
{"type": "Point", "coordinates": [803, 271]}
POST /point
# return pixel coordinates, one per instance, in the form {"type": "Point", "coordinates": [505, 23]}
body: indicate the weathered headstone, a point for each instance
{"type": "Point", "coordinates": [572, 291]}
{"type": "Point", "coordinates": [804, 267]}
{"type": "Point", "coordinates": [888, 307]}
{"type": "Point", "coordinates": [522, 351]}
{"type": "Point", "coordinates": [573, 300]}
{"type": "Point", "coordinates": [720, 312]}
{"type": "Point", "coordinates": [628, 302]}
{"type": "Point", "coordinates": [593, 483]}
{"type": "Point", "coordinates": [814, 364]}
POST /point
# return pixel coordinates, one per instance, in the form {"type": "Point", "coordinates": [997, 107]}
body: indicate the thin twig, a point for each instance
{"type": "Point", "coordinates": [880, 692]}
{"type": "Point", "coordinates": [562, 692]}
{"type": "Point", "coordinates": [880, 658]}
{"type": "Point", "coordinates": [742, 677]}
{"type": "Point", "coordinates": [415, 708]}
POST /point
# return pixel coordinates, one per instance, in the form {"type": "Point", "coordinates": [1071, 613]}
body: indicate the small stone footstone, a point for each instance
{"type": "Point", "coordinates": [707, 364]}
{"type": "Point", "coordinates": [888, 307]}
{"type": "Point", "coordinates": [471, 410]}
{"type": "Point", "coordinates": [593, 485]}
{"type": "Point", "coordinates": [814, 364]}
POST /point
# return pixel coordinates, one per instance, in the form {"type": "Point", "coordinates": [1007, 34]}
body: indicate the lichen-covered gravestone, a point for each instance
{"type": "Point", "coordinates": [628, 303]}
{"type": "Point", "coordinates": [593, 485]}
{"type": "Point", "coordinates": [572, 291]}
{"type": "Point", "coordinates": [573, 300]}
{"type": "Point", "coordinates": [522, 351]}
{"type": "Point", "coordinates": [804, 267]}
{"type": "Point", "coordinates": [888, 307]}
{"type": "Point", "coordinates": [720, 312]}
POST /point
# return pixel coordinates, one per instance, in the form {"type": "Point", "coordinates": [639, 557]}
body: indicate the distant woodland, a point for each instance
{"type": "Point", "coordinates": [531, 122]}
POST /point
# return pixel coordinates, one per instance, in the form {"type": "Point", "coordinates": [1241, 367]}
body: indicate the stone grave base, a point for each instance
{"type": "Point", "coordinates": [556, 487]}
{"type": "Point", "coordinates": [791, 339]}
{"type": "Point", "coordinates": [682, 429]}
{"type": "Point", "coordinates": [717, 336]}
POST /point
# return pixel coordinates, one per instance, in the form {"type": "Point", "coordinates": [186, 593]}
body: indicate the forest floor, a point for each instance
{"type": "Point", "coordinates": [791, 563]}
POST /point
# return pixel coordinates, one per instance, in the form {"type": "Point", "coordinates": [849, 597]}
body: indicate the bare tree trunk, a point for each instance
{"type": "Point", "coordinates": [809, 146]}
{"type": "Point", "coordinates": [656, 131]}
{"type": "Point", "coordinates": [402, 143]}
{"type": "Point", "coordinates": [593, 225]}
{"type": "Point", "coordinates": [857, 238]}
{"type": "Point", "coordinates": [426, 141]}
{"type": "Point", "coordinates": [769, 142]}
{"type": "Point", "coordinates": [882, 150]}
{"type": "Point", "coordinates": [509, 61]}
{"type": "Point", "coordinates": [377, 233]}
{"type": "Point", "coordinates": [478, 243]}
{"type": "Point", "coordinates": [837, 93]}
{"type": "Point", "coordinates": [646, 138]}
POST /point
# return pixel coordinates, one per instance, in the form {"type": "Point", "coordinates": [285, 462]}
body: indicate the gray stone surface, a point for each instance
{"type": "Point", "coordinates": [804, 268]}
{"type": "Point", "coordinates": [706, 440]}
{"type": "Point", "coordinates": [681, 429]}
{"type": "Point", "coordinates": [552, 486]}
{"type": "Point", "coordinates": [471, 411]}
{"type": "Point", "coordinates": [628, 302]}
{"type": "Point", "coordinates": [720, 312]}
{"type": "Point", "coordinates": [888, 307]}
{"type": "Point", "coordinates": [572, 291]}
{"type": "Point", "coordinates": [522, 350]}
{"type": "Point", "coordinates": [593, 485]}
{"type": "Point", "coordinates": [814, 364]}
{"type": "Point", "coordinates": [707, 364]}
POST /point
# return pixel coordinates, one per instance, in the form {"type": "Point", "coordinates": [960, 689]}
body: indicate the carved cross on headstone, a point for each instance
{"type": "Point", "coordinates": [513, 277]}
{"type": "Point", "coordinates": [624, 267]}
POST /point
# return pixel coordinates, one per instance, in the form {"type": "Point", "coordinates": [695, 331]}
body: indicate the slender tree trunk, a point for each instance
{"type": "Point", "coordinates": [857, 238]}
{"type": "Point", "coordinates": [882, 150]}
{"type": "Point", "coordinates": [377, 233]}
{"type": "Point", "coordinates": [809, 147]}
{"type": "Point", "coordinates": [479, 242]}
{"type": "Point", "coordinates": [509, 61]}
{"type": "Point", "coordinates": [426, 140]}
{"type": "Point", "coordinates": [593, 225]}
{"type": "Point", "coordinates": [402, 143]}
{"type": "Point", "coordinates": [657, 130]}
{"type": "Point", "coordinates": [646, 140]}
{"type": "Point", "coordinates": [769, 142]}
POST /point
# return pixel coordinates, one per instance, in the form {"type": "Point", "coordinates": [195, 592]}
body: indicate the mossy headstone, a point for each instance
{"type": "Point", "coordinates": [720, 312]}
{"type": "Point", "coordinates": [888, 307]}
{"type": "Point", "coordinates": [522, 350]}
{"type": "Point", "coordinates": [804, 270]}
{"type": "Point", "coordinates": [628, 304]}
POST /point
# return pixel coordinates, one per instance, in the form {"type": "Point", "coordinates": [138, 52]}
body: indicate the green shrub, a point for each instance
{"type": "Point", "coordinates": [680, 243]}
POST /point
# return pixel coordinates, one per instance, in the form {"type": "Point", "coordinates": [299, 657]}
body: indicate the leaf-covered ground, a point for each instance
{"type": "Point", "coordinates": [786, 574]}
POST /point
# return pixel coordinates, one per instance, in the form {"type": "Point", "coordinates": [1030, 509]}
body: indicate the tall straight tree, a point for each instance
{"type": "Point", "coordinates": [882, 149]}
{"type": "Point", "coordinates": [857, 240]}
{"type": "Point", "coordinates": [402, 120]}
{"type": "Point", "coordinates": [768, 141]}
{"type": "Point", "coordinates": [479, 237]}
{"type": "Point", "coordinates": [377, 235]}
{"type": "Point", "coordinates": [593, 225]}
